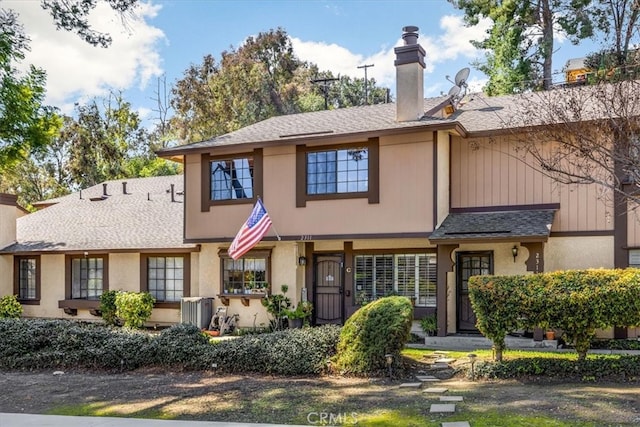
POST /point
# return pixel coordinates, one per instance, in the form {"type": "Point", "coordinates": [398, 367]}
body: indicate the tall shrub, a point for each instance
{"type": "Point", "coordinates": [375, 330]}
{"type": "Point", "coordinates": [134, 308]}
{"type": "Point", "coordinates": [108, 307]}
{"type": "Point", "coordinates": [10, 307]}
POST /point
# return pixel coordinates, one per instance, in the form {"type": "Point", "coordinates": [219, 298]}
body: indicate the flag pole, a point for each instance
{"type": "Point", "coordinates": [273, 226]}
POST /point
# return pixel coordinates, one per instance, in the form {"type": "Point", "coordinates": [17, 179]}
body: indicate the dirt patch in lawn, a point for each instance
{"type": "Point", "coordinates": [216, 397]}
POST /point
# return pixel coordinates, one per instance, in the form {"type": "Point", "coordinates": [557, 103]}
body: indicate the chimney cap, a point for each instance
{"type": "Point", "coordinates": [410, 29]}
{"type": "Point", "coordinates": [410, 35]}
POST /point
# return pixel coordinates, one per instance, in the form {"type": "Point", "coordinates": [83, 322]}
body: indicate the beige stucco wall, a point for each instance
{"type": "Point", "coordinates": [52, 290]}
{"type": "Point", "coordinates": [284, 271]}
{"type": "Point", "coordinates": [406, 196]}
{"type": "Point", "coordinates": [564, 253]}
{"type": "Point", "coordinates": [443, 189]}
{"type": "Point", "coordinates": [8, 216]}
{"type": "Point", "coordinates": [6, 275]}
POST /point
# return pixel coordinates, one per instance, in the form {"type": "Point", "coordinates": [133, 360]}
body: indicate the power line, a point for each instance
{"type": "Point", "coordinates": [366, 82]}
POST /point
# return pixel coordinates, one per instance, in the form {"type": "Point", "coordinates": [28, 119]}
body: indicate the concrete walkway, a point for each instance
{"type": "Point", "coordinates": [30, 420]}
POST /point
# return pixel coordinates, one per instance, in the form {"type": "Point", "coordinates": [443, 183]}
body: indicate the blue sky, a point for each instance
{"type": "Point", "coordinates": [165, 36]}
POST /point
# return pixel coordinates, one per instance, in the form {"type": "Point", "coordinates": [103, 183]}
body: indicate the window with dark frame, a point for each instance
{"type": "Point", "coordinates": [249, 274]}
{"type": "Point", "coordinates": [231, 179]}
{"type": "Point", "coordinates": [27, 280]}
{"type": "Point", "coordinates": [87, 278]}
{"type": "Point", "coordinates": [166, 277]}
{"type": "Point", "coordinates": [338, 171]}
{"type": "Point", "coordinates": [412, 275]}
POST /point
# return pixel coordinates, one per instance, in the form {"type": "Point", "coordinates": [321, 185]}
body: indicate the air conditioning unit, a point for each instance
{"type": "Point", "coordinates": [196, 311]}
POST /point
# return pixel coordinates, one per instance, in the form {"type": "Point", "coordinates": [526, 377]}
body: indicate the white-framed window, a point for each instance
{"type": "Point", "coordinates": [408, 274]}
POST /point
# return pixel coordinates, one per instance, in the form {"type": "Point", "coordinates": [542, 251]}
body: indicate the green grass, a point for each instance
{"type": "Point", "coordinates": [105, 409]}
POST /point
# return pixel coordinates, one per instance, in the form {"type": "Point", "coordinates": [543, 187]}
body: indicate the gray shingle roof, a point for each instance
{"type": "Point", "coordinates": [343, 121]}
{"type": "Point", "coordinates": [145, 218]}
{"type": "Point", "coordinates": [478, 114]}
{"type": "Point", "coordinates": [530, 225]}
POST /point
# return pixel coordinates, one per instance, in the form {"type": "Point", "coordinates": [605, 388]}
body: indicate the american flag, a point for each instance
{"type": "Point", "coordinates": [251, 232]}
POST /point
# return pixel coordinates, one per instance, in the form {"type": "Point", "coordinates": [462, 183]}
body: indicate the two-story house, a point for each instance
{"type": "Point", "coordinates": [410, 198]}
{"type": "Point", "coordinates": [401, 198]}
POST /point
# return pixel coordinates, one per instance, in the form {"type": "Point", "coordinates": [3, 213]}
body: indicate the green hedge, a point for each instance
{"type": "Point", "coordinates": [577, 302]}
{"type": "Point", "coordinates": [610, 368]}
{"type": "Point", "coordinates": [56, 344]}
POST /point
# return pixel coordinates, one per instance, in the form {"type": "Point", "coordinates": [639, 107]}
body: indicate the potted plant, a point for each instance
{"type": "Point", "coordinates": [429, 324]}
{"type": "Point", "coordinates": [300, 315]}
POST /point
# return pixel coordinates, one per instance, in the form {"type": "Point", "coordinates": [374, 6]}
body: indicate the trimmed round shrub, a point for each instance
{"type": "Point", "coordinates": [134, 308]}
{"type": "Point", "coordinates": [10, 307]}
{"type": "Point", "coordinates": [375, 330]}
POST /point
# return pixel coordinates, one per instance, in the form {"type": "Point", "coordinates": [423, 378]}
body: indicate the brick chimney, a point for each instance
{"type": "Point", "coordinates": [409, 77]}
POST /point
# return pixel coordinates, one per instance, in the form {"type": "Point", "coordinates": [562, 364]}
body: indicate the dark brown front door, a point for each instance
{"type": "Point", "coordinates": [469, 264]}
{"type": "Point", "coordinates": [328, 289]}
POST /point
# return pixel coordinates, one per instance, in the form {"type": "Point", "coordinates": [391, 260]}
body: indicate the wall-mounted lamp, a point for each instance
{"type": "Point", "coordinates": [514, 252]}
{"type": "Point", "coordinates": [302, 261]}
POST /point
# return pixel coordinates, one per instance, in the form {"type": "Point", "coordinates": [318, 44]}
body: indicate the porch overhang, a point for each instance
{"type": "Point", "coordinates": [526, 225]}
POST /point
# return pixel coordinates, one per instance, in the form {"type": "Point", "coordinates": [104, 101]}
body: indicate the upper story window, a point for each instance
{"type": "Point", "coordinates": [231, 179]}
{"type": "Point", "coordinates": [337, 172]}
{"type": "Point", "coordinates": [27, 279]}
{"type": "Point", "coordinates": [87, 277]}
{"type": "Point", "coordinates": [408, 274]}
{"type": "Point", "coordinates": [165, 277]}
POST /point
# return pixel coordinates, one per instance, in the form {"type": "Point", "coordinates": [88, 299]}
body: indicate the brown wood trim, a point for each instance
{"type": "Point", "coordinates": [585, 233]}
{"type": "Point", "coordinates": [205, 183]}
{"type": "Point", "coordinates": [373, 194]}
{"type": "Point", "coordinates": [144, 279]}
{"type": "Point", "coordinates": [395, 251]}
{"type": "Point", "coordinates": [501, 239]}
{"type": "Point", "coordinates": [308, 273]}
{"type": "Point", "coordinates": [343, 138]}
{"type": "Point", "coordinates": [8, 199]}
{"type": "Point", "coordinates": [205, 197]}
{"type": "Point", "coordinates": [16, 276]}
{"type": "Point", "coordinates": [535, 262]}
{"type": "Point", "coordinates": [222, 254]}
{"type": "Point", "coordinates": [298, 238]}
{"type": "Point", "coordinates": [195, 248]}
{"type": "Point", "coordinates": [434, 137]}
{"type": "Point", "coordinates": [301, 173]}
{"type": "Point", "coordinates": [67, 274]}
{"type": "Point", "coordinates": [348, 284]}
{"type": "Point", "coordinates": [544, 206]}
{"type": "Point", "coordinates": [82, 304]}
{"type": "Point", "coordinates": [374, 171]}
{"type": "Point", "coordinates": [444, 266]}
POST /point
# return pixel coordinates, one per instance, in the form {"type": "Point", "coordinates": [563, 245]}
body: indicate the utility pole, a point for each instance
{"type": "Point", "coordinates": [366, 82]}
{"type": "Point", "coordinates": [324, 84]}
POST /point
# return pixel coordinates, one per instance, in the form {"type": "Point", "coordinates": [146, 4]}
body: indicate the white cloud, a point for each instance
{"type": "Point", "coordinates": [452, 43]}
{"type": "Point", "coordinates": [75, 69]}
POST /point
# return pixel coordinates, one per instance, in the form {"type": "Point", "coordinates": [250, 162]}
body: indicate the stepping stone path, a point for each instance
{"type": "Point", "coordinates": [411, 385]}
{"type": "Point", "coordinates": [440, 361]}
{"type": "Point", "coordinates": [442, 407]}
{"type": "Point", "coordinates": [451, 398]}
{"type": "Point", "coordinates": [435, 390]}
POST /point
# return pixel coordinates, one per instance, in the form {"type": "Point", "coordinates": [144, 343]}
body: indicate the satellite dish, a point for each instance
{"type": "Point", "coordinates": [462, 76]}
{"type": "Point", "coordinates": [454, 91]}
